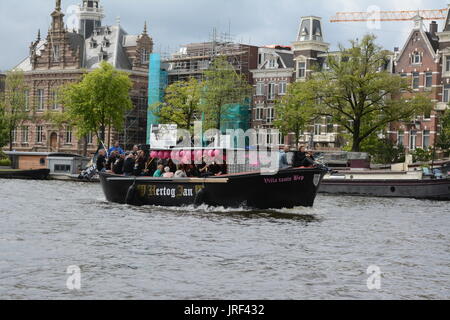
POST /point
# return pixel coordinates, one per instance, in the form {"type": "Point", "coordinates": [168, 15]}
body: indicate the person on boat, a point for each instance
{"type": "Point", "coordinates": [159, 171]}
{"type": "Point", "coordinates": [101, 161]}
{"type": "Point", "coordinates": [215, 169]}
{"type": "Point", "coordinates": [116, 147]}
{"type": "Point", "coordinates": [203, 170]}
{"type": "Point", "coordinates": [191, 171]}
{"type": "Point", "coordinates": [139, 165]}
{"type": "Point", "coordinates": [118, 165]}
{"type": "Point", "coordinates": [181, 172]}
{"type": "Point", "coordinates": [172, 166]}
{"type": "Point", "coordinates": [128, 166]}
{"type": "Point", "coordinates": [111, 160]}
{"type": "Point", "coordinates": [150, 167]}
{"type": "Point", "coordinates": [284, 163]}
{"type": "Point", "coordinates": [135, 149]}
{"type": "Point", "coordinates": [167, 173]}
{"type": "Point", "coordinates": [302, 158]}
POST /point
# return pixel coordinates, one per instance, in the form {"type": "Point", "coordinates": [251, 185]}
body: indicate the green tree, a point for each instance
{"type": "Point", "coordinates": [181, 104]}
{"type": "Point", "coordinates": [295, 110]}
{"type": "Point", "coordinates": [98, 102]}
{"type": "Point", "coordinates": [384, 151]}
{"type": "Point", "coordinates": [444, 137]}
{"type": "Point", "coordinates": [223, 87]}
{"type": "Point", "coordinates": [13, 109]}
{"type": "Point", "coordinates": [360, 95]}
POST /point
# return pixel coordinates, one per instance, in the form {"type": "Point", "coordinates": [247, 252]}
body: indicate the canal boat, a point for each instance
{"type": "Point", "coordinates": [405, 184]}
{"type": "Point", "coordinates": [284, 189]}
{"type": "Point", "coordinates": [38, 174]}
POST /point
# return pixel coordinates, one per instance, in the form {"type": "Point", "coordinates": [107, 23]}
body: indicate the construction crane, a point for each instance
{"type": "Point", "coordinates": [439, 14]}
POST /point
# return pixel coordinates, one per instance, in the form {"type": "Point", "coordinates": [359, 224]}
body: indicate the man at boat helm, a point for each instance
{"type": "Point", "coordinates": [303, 158]}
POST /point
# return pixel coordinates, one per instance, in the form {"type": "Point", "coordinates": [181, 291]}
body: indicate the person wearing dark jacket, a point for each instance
{"type": "Point", "coordinates": [302, 158]}
{"type": "Point", "coordinates": [139, 165]}
{"type": "Point", "coordinates": [118, 165]}
{"type": "Point", "coordinates": [101, 161]}
{"type": "Point", "coordinates": [128, 165]}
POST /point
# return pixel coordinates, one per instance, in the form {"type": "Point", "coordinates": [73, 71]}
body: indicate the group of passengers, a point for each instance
{"type": "Point", "coordinates": [301, 158]}
{"type": "Point", "coordinates": [139, 163]}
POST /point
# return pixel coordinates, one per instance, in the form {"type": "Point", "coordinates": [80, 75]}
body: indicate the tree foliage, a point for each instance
{"type": "Point", "coordinates": [181, 104]}
{"type": "Point", "coordinates": [223, 87]}
{"type": "Point", "coordinates": [13, 109]}
{"type": "Point", "coordinates": [359, 93]}
{"type": "Point", "coordinates": [295, 110]}
{"type": "Point", "coordinates": [444, 137]}
{"type": "Point", "coordinates": [99, 101]}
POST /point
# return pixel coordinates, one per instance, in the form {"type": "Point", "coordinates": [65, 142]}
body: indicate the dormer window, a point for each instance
{"type": "Point", "coordinates": [105, 42]}
{"type": "Point", "coordinates": [416, 58]}
{"type": "Point", "coordinates": [272, 64]}
{"type": "Point", "coordinates": [145, 56]}
{"type": "Point", "coordinates": [93, 44]}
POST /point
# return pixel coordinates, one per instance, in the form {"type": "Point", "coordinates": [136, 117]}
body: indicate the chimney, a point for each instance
{"type": "Point", "coordinates": [433, 28]}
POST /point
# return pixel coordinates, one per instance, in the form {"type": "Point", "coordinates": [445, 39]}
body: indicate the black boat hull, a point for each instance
{"type": "Point", "coordinates": [287, 189]}
{"type": "Point", "coordinates": [39, 174]}
{"type": "Point", "coordinates": [416, 189]}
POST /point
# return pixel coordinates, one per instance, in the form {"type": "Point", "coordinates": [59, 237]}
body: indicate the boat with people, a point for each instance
{"type": "Point", "coordinates": [38, 174]}
{"type": "Point", "coordinates": [238, 186]}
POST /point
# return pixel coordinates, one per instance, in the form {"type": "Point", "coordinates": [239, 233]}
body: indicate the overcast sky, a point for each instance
{"type": "Point", "coordinates": [175, 22]}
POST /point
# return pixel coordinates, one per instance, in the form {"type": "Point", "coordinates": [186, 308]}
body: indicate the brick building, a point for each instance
{"type": "Point", "coordinates": [270, 80]}
{"type": "Point", "coordinates": [423, 62]}
{"type": "Point", "coordinates": [63, 57]}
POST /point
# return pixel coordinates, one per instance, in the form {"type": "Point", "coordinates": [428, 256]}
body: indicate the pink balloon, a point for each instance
{"type": "Point", "coordinates": [211, 153]}
{"type": "Point", "coordinates": [161, 155]}
{"type": "Point", "coordinates": [199, 154]}
{"type": "Point", "coordinates": [174, 155]}
{"type": "Point", "coordinates": [167, 155]}
{"type": "Point", "coordinates": [182, 153]}
{"type": "Point", "coordinates": [153, 154]}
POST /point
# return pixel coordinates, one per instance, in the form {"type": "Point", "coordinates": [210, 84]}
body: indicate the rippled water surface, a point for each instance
{"type": "Point", "coordinates": [185, 253]}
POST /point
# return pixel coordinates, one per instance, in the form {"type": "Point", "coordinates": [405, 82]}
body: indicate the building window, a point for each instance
{"type": "Point", "coordinates": [428, 80]}
{"type": "Point", "coordinates": [271, 93]}
{"type": "Point", "coordinates": [259, 111]}
{"type": "Point", "coordinates": [260, 89]}
{"type": "Point", "coordinates": [270, 114]}
{"type": "Point", "coordinates": [24, 134]}
{"type": "Point", "coordinates": [40, 99]}
{"type": "Point", "coordinates": [282, 88]}
{"type": "Point", "coordinates": [426, 139]}
{"type": "Point", "coordinates": [27, 100]}
{"type": "Point", "coordinates": [62, 168]}
{"type": "Point", "coordinates": [416, 58]}
{"type": "Point", "coordinates": [416, 78]}
{"type": "Point", "coordinates": [400, 138]}
{"type": "Point", "coordinates": [90, 138]}
{"type": "Point", "coordinates": [14, 136]}
{"type": "Point", "coordinates": [446, 93]}
{"type": "Point", "coordinates": [69, 135]}
{"type": "Point", "coordinates": [55, 105]}
{"type": "Point", "coordinates": [447, 64]}
{"type": "Point", "coordinates": [56, 53]}
{"type": "Point", "coordinates": [145, 56]}
{"type": "Point", "coordinates": [317, 129]}
{"type": "Point", "coordinates": [39, 134]}
{"type": "Point", "coordinates": [412, 140]}
{"type": "Point", "coordinates": [302, 69]}
{"type": "Point", "coordinates": [272, 64]}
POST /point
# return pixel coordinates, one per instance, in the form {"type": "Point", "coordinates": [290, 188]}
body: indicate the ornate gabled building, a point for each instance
{"type": "Point", "coordinates": [420, 61]}
{"type": "Point", "coordinates": [270, 80]}
{"type": "Point", "coordinates": [63, 57]}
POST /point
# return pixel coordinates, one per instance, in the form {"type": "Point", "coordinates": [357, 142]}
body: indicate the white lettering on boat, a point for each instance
{"type": "Point", "coordinates": [178, 191]}
{"type": "Point", "coordinates": [283, 180]}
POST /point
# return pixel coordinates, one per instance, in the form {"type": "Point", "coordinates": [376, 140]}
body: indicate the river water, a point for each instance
{"type": "Point", "coordinates": [186, 253]}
